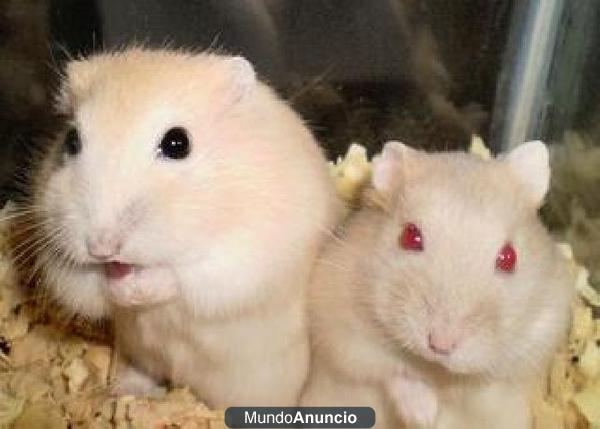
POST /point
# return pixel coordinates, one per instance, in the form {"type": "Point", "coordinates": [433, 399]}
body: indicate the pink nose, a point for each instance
{"type": "Point", "coordinates": [103, 246]}
{"type": "Point", "coordinates": [441, 343]}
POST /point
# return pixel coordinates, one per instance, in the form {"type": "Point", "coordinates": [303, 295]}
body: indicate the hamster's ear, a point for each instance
{"type": "Point", "coordinates": [78, 76]}
{"type": "Point", "coordinates": [242, 77]}
{"type": "Point", "coordinates": [389, 167]}
{"type": "Point", "coordinates": [530, 163]}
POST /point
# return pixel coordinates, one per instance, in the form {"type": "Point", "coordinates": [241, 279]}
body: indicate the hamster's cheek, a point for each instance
{"type": "Point", "coordinates": [169, 234]}
{"type": "Point", "coordinates": [160, 246]}
{"type": "Point", "coordinates": [404, 319]}
{"type": "Point", "coordinates": [62, 220]}
{"type": "Point", "coordinates": [478, 354]}
{"type": "Point", "coordinates": [80, 290]}
{"type": "Point", "coordinates": [162, 240]}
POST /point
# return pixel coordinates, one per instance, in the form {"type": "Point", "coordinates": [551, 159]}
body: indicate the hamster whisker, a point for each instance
{"type": "Point", "coordinates": [33, 226]}
{"type": "Point", "coordinates": [40, 261]}
{"type": "Point", "coordinates": [28, 247]}
{"type": "Point", "coordinates": [66, 263]}
{"type": "Point", "coordinates": [41, 251]}
{"type": "Point", "coordinates": [60, 287]}
{"type": "Point", "coordinates": [18, 213]}
{"type": "Point", "coordinates": [37, 232]}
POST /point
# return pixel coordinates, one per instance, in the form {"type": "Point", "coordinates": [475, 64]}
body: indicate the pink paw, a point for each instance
{"type": "Point", "coordinates": [132, 381]}
{"type": "Point", "coordinates": [144, 286]}
{"type": "Point", "coordinates": [415, 401]}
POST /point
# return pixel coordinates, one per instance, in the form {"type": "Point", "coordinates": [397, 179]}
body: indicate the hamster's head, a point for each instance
{"type": "Point", "coordinates": [464, 273]}
{"type": "Point", "coordinates": [155, 168]}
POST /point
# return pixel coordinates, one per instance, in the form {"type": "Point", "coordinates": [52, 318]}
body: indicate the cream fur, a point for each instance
{"type": "Point", "coordinates": [223, 241]}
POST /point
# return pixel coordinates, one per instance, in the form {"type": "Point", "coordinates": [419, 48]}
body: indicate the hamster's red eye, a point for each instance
{"type": "Point", "coordinates": [507, 258]}
{"type": "Point", "coordinates": [411, 238]}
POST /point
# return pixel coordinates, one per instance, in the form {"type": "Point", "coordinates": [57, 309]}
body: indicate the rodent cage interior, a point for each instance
{"type": "Point", "coordinates": [431, 74]}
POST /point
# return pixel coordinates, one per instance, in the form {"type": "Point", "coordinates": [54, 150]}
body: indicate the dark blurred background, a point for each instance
{"type": "Point", "coordinates": [420, 71]}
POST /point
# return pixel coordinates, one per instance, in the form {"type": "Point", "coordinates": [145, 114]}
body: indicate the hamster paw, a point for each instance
{"type": "Point", "coordinates": [144, 286]}
{"type": "Point", "coordinates": [132, 381]}
{"type": "Point", "coordinates": [415, 401]}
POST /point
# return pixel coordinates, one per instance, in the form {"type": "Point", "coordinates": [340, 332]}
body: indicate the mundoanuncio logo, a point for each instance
{"type": "Point", "coordinates": [299, 417]}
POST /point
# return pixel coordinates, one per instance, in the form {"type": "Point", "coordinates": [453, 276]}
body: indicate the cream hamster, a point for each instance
{"type": "Point", "coordinates": [444, 297]}
{"type": "Point", "coordinates": [187, 202]}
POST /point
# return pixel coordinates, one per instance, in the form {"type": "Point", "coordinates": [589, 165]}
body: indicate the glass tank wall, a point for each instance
{"type": "Point", "coordinates": [547, 89]}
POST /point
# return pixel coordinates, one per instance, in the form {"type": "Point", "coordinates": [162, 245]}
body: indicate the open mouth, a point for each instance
{"type": "Point", "coordinates": [117, 270]}
{"type": "Point", "coordinates": [132, 284]}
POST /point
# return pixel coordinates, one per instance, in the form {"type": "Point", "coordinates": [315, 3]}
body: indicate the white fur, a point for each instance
{"type": "Point", "coordinates": [243, 75]}
{"type": "Point", "coordinates": [530, 162]}
{"type": "Point", "coordinates": [222, 242]}
{"type": "Point", "coordinates": [374, 305]}
{"type": "Point", "coordinates": [385, 166]}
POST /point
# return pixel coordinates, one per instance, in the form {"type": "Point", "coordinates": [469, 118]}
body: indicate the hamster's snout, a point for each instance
{"type": "Point", "coordinates": [103, 244]}
{"type": "Point", "coordinates": [442, 342]}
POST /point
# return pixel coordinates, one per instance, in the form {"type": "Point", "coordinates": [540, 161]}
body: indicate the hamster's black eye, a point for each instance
{"type": "Point", "coordinates": [175, 144]}
{"type": "Point", "coordinates": [72, 142]}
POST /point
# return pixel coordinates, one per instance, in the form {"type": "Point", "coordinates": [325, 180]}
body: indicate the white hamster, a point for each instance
{"type": "Point", "coordinates": [445, 297]}
{"type": "Point", "coordinates": [187, 202]}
